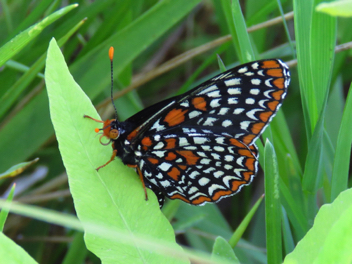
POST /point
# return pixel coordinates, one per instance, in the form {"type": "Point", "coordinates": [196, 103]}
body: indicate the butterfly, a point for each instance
{"type": "Point", "coordinates": [199, 146]}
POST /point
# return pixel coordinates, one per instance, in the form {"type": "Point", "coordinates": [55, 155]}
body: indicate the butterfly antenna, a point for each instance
{"type": "Point", "coordinates": [111, 56]}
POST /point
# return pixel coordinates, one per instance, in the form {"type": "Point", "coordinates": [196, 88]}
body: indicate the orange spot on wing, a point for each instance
{"type": "Point", "coordinates": [174, 173]}
{"type": "Point", "coordinates": [170, 143]}
{"type": "Point", "coordinates": [219, 194]}
{"type": "Point", "coordinates": [191, 159]}
{"type": "Point", "coordinates": [182, 167]}
{"type": "Point", "coordinates": [175, 117]}
{"type": "Point", "coordinates": [132, 134]}
{"type": "Point", "coordinates": [178, 196]}
{"type": "Point", "coordinates": [245, 152]}
{"type": "Point", "coordinates": [199, 103]}
{"type": "Point", "coordinates": [248, 139]}
{"type": "Point", "coordinates": [236, 185]}
{"type": "Point", "coordinates": [201, 200]}
{"type": "Point", "coordinates": [277, 95]}
{"type": "Point", "coordinates": [153, 160]}
{"type": "Point", "coordinates": [279, 83]}
{"type": "Point", "coordinates": [265, 116]}
{"type": "Point", "coordinates": [272, 105]}
{"type": "Point", "coordinates": [146, 141]}
{"type": "Point", "coordinates": [170, 156]}
{"type": "Point", "coordinates": [256, 128]}
{"type": "Point", "coordinates": [236, 143]}
{"type": "Point", "coordinates": [270, 64]}
{"type": "Point", "coordinates": [274, 72]}
{"type": "Point", "coordinates": [250, 164]}
{"type": "Point", "coordinates": [247, 176]}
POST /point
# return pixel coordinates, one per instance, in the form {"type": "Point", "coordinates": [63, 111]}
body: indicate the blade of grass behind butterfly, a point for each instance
{"type": "Point", "coordinates": [341, 166]}
{"type": "Point", "coordinates": [34, 117]}
{"type": "Point", "coordinates": [12, 94]}
{"type": "Point", "coordinates": [11, 48]}
{"type": "Point", "coordinates": [302, 22]}
{"type": "Point", "coordinates": [77, 251]}
{"type": "Point", "coordinates": [287, 237]}
{"type": "Point", "coordinates": [244, 224]}
{"type": "Point", "coordinates": [227, 13]}
{"type": "Point", "coordinates": [242, 36]}
{"type": "Point", "coordinates": [272, 206]}
{"type": "Point", "coordinates": [322, 50]}
{"type": "Point", "coordinates": [313, 170]}
{"type": "Point", "coordinates": [4, 211]}
{"type": "Point", "coordinates": [33, 16]}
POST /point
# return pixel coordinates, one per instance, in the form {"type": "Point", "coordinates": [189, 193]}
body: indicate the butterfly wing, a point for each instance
{"type": "Point", "coordinates": [238, 103]}
{"type": "Point", "coordinates": [199, 146]}
{"type": "Point", "coordinates": [197, 167]}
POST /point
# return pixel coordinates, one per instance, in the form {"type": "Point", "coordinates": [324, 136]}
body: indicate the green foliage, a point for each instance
{"type": "Point", "coordinates": [306, 166]}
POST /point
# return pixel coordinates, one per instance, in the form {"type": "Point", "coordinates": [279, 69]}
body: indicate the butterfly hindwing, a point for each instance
{"type": "Point", "coordinates": [197, 168]}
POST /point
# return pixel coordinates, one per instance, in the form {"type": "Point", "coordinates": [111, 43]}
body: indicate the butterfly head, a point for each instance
{"type": "Point", "coordinates": [110, 131]}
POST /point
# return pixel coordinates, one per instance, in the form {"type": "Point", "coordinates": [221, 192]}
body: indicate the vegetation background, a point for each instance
{"type": "Point", "coordinates": [163, 48]}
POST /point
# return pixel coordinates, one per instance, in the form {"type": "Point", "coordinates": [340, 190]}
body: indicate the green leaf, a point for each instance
{"type": "Point", "coordinates": [16, 44]}
{"type": "Point", "coordinates": [17, 169]}
{"type": "Point", "coordinates": [330, 238]}
{"type": "Point", "coordinates": [223, 251]}
{"type": "Point", "coordinates": [341, 166]}
{"type": "Point", "coordinates": [241, 33]}
{"type": "Point", "coordinates": [272, 206]}
{"type": "Point", "coordinates": [11, 253]}
{"type": "Point", "coordinates": [342, 8]}
{"type": "Point", "coordinates": [114, 195]}
{"type": "Point", "coordinates": [5, 211]}
{"type": "Point", "coordinates": [244, 224]}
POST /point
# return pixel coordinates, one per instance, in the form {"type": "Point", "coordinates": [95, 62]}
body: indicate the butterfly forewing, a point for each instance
{"type": "Point", "coordinates": [239, 103]}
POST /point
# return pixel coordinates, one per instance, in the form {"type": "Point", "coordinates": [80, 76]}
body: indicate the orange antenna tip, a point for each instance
{"type": "Point", "coordinates": [96, 130]}
{"type": "Point", "coordinates": [111, 53]}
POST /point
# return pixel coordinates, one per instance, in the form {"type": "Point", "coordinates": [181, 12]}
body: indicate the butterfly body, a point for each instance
{"type": "Point", "coordinates": [199, 146]}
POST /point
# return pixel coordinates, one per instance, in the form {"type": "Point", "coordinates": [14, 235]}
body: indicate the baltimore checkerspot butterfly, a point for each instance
{"type": "Point", "coordinates": [199, 146]}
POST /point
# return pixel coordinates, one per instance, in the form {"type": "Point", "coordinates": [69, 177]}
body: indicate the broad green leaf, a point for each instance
{"type": "Point", "coordinates": [223, 251]}
{"type": "Point", "coordinates": [11, 253]}
{"type": "Point", "coordinates": [113, 195]}
{"type": "Point", "coordinates": [330, 238]}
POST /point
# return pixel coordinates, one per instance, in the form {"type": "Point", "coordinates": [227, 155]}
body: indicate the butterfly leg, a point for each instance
{"type": "Point", "coordinates": [141, 178]}
{"type": "Point", "coordinates": [111, 159]}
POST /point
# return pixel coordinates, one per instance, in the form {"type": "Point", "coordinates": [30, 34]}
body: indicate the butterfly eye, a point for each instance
{"type": "Point", "coordinates": [114, 134]}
